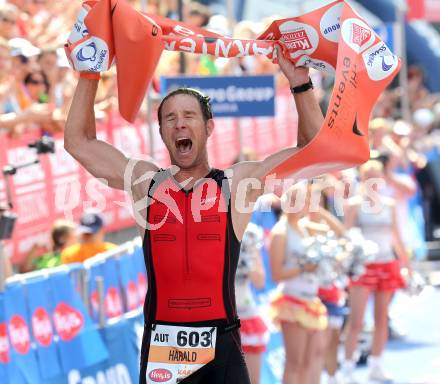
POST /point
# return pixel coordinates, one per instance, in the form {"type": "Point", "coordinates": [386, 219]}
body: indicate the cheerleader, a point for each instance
{"type": "Point", "coordinates": [297, 308]}
{"type": "Point", "coordinates": [250, 271]}
{"type": "Point", "coordinates": [375, 215]}
{"type": "Point", "coordinates": [334, 299]}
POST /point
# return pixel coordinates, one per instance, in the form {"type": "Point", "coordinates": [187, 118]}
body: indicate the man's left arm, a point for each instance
{"type": "Point", "coordinates": [310, 120]}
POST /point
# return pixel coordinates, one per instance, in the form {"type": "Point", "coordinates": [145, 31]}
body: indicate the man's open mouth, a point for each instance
{"type": "Point", "coordinates": [183, 145]}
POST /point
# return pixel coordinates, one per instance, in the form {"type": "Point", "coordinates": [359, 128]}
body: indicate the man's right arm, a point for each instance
{"type": "Point", "coordinates": [101, 159]}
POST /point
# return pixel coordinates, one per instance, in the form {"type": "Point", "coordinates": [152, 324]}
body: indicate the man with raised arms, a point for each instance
{"type": "Point", "coordinates": [191, 223]}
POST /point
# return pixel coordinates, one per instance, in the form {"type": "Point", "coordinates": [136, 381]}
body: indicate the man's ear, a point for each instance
{"type": "Point", "coordinates": [210, 127]}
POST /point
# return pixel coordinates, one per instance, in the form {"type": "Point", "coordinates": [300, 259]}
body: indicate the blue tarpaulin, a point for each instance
{"type": "Point", "coordinates": [79, 343]}
{"type": "Point", "coordinates": [41, 306]}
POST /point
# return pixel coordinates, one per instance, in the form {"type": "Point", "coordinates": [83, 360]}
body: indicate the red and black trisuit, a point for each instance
{"type": "Point", "coordinates": [191, 254]}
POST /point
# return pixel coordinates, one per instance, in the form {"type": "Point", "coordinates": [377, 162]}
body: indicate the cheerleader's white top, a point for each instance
{"type": "Point", "coordinates": [377, 226]}
{"type": "Point", "coordinates": [305, 285]}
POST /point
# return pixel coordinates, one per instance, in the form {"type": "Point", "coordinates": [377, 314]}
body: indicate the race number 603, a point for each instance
{"type": "Point", "coordinates": [194, 339]}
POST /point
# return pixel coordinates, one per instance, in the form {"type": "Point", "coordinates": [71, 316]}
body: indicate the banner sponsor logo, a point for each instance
{"type": "Point", "coordinates": [160, 375]}
{"type": "Point", "coordinates": [357, 35]}
{"type": "Point", "coordinates": [347, 81]}
{"type": "Point", "coordinates": [360, 35]}
{"type": "Point", "coordinates": [113, 303]}
{"type": "Point", "coordinates": [330, 24]}
{"type": "Point", "coordinates": [380, 62]}
{"type": "Point", "coordinates": [319, 65]}
{"type": "Point", "coordinates": [68, 321]}
{"type": "Point", "coordinates": [231, 96]}
{"type": "Point", "coordinates": [87, 52]}
{"type": "Point", "coordinates": [42, 327]}
{"type": "Point", "coordinates": [92, 55]}
{"type": "Point", "coordinates": [299, 38]}
{"type": "Point", "coordinates": [4, 345]}
{"type": "Point", "coordinates": [19, 334]}
{"type": "Point", "coordinates": [375, 51]}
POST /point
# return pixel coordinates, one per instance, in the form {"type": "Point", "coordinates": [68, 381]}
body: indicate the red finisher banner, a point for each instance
{"type": "Point", "coordinates": [365, 66]}
{"type": "Point", "coordinates": [331, 38]}
{"type": "Point", "coordinates": [59, 187]}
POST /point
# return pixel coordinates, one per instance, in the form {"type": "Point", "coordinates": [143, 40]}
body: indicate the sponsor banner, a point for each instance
{"type": "Point", "coordinates": [41, 307]}
{"type": "Point", "coordinates": [24, 367]}
{"type": "Point", "coordinates": [315, 37]}
{"type": "Point", "coordinates": [122, 341]}
{"type": "Point", "coordinates": [231, 96]}
{"type": "Point", "coordinates": [108, 356]}
{"type": "Point", "coordinates": [79, 343]}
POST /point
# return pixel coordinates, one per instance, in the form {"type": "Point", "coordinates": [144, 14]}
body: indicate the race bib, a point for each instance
{"type": "Point", "coordinates": [177, 352]}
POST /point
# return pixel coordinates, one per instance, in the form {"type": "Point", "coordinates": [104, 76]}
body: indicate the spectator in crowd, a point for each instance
{"type": "Point", "coordinates": [375, 214]}
{"type": "Point", "coordinates": [37, 86]}
{"type": "Point", "coordinates": [8, 21]}
{"type": "Point", "coordinates": [18, 112]}
{"type": "Point", "coordinates": [417, 91]}
{"type": "Point", "coordinates": [378, 129]}
{"type": "Point", "coordinates": [24, 58]}
{"type": "Point", "coordinates": [197, 15]}
{"type": "Point", "coordinates": [298, 310]}
{"type": "Point", "coordinates": [334, 299]}
{"type": "Point", "coordinates": [63, 235]}
{"type": "Point", "coordinates": [91, 231]}
{"type": "Point", "coordinates": [48, 63]}
{"type": "Point", "coordinates": [243, 65]}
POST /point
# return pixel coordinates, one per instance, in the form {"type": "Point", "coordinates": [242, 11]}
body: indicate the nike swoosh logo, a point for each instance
{"type": "Point", "coordinates": [356, 130]}
{"type": "Point", "coordinates": [385, 66]}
